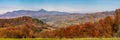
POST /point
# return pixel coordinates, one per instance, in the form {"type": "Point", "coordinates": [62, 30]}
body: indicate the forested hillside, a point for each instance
{"type": "Point", "coordinates": [22, 27]}
{"type": "Point", "coordinates": [28, 27]}
{"type": "Point", "coordinates": [107, 27]}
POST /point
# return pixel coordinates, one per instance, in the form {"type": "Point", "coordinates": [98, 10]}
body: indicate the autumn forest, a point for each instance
{"type": "Point", "coordinates": [29, 27]}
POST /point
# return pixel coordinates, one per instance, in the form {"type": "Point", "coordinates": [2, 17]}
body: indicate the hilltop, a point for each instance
{"type": "Point", "coordinates": [22, 27]}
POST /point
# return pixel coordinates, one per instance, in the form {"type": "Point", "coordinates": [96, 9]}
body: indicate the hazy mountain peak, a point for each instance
{"type": "Point", "coordinates": [42, 10]}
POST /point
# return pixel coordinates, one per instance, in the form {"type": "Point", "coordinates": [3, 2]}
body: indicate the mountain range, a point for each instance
{"type": "Point", "coordinates": [43, 12]}
{"type": "Point", "coordinates": [39, 13]}
{"type": "Point", "coordinates": [56, 18]}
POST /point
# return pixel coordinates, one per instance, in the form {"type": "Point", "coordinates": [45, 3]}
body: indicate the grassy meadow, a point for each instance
{"type": "Point", "coordinates": [59, 38]}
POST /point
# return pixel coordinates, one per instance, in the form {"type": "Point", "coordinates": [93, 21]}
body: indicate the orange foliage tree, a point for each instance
{"type": "Point", "coordinates": [102, 28]}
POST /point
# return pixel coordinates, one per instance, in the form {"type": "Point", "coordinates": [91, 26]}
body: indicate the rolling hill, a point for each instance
{"type": "Point", "coordinates": [58, 19]}
{"type": "Point", "coordinates": [22, 27]}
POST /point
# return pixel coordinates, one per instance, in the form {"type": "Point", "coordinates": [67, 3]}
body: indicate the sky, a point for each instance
{"type": "Point", "coordinates": [77, 6]}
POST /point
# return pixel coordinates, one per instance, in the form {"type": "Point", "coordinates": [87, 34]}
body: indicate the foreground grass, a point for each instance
{"type": "Point", "coordinates": [59, 39]}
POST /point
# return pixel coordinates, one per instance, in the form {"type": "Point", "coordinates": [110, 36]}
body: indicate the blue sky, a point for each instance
{"type": "Point", "coordinates": [81, 6]}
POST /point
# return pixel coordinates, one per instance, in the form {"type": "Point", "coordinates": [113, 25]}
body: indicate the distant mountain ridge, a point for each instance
{"type": "Point", "coordinates": [54, 15]}
{"type": "Point", "coordinates": [39, 13]}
